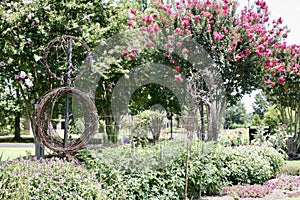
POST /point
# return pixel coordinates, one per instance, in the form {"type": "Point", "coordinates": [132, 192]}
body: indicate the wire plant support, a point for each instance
{"type": "Point", "coordinates": [46, 134]}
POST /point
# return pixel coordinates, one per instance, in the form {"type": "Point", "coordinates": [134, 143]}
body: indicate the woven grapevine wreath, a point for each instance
{"type": "Point", "coordinates": [45, 130]}
{"type": "Point", "coordinates": [59, 45]}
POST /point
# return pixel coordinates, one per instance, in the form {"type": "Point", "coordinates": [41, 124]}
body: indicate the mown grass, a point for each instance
{"type": "Point", "coordinates": [9, 153]}
{"type": "Point", "coordinates": [293, 162]}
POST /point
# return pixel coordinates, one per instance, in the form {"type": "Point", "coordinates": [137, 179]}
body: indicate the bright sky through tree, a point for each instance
{"type": "Point", "coordinates": [289, 11]}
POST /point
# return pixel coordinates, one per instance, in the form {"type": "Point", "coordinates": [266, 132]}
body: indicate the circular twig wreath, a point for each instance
{"type": "Point", "coordinates": [45, 131]}
{"type": "Point", "coordinates": [56, 53]}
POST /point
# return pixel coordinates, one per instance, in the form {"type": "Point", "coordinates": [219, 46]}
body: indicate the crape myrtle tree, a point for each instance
{"type": "Point", "coordinates": [238, 43]}
{"type": "Point", "coordinates": [27, 26]}
{"type": "Point", "coordinates": [282, 83]}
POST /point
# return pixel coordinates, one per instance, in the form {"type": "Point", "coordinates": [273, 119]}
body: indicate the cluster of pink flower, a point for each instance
{"type": "Point", "coordinates": [24, 78]}
{"type": "Point", "coordinates": [250, 30]}
{"type": "Point", "coordinates": [248, 191]}
{"type": "Point", "coordinates": [282, 181]}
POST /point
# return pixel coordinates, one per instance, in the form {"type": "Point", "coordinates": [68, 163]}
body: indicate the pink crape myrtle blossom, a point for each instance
{"type": "Point", "coordinates": [239, 39]}
{"type": "Point", "coordinates": [281, 80]}
{"type": "Point", "coordinates": [178, 78]}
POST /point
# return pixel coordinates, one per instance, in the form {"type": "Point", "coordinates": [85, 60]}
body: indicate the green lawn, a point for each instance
{"type": "Point", "coordinates": [11, 153]}
{"type": "Point", "coordinates": [293, 162]}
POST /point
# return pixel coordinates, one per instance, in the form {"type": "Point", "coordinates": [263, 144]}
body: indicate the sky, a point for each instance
{"type": "Point", "coordinates": [289, 11]}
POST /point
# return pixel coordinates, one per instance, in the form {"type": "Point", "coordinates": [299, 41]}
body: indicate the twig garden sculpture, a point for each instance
{"type": "Point", "coordinates": [46, 134]}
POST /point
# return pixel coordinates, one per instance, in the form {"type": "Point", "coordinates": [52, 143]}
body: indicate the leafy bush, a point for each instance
{"type": "Point", "coordinates": [219, 166]}
{"type": "Point", "coordinates": [48, 179]}
{"type": "Point", "coordinates": [159, 171]}
{"type": "Point", "coordinates": [139, 173]}
{"type": "Point", "coordinates": [275, 158]}
{"type": "Point", "coordinates": [208, 171]}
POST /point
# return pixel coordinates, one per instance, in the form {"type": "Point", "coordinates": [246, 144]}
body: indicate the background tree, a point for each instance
{"type": "Point", "coordinates": [10, 111]}
{"type": "Point", "coordinates": [272, 117]}
{"type": "Point", "coordinates": [260, 106]}
{"type": "Point", "coordinates": [152, 94]}
{"type": "Point", "coordinates": [235, 116]}
{"type": "Point", "coordinates": [256, 120]}
{"type": "Point", "coordinates": [29, 25]}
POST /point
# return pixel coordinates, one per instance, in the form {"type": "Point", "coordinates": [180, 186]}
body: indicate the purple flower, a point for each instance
{"type": "Point", "coordinates": [2, 63]}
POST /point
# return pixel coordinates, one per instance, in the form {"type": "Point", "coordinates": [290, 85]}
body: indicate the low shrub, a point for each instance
{"type": "Point", "coordinates": [291, 170]}
{"type": "Point", "coordinates": [247, 166]}
{"type": "Point", "coordinates": [142, 173]}
{"type": "Point", "coordinates": [284, 182]}
{"type": "Point", "coordinates": [48, 179]}
{"type": "Point", "coordinates": [218, 166]}
{"type": "Point", "coordinates": [159, 170]}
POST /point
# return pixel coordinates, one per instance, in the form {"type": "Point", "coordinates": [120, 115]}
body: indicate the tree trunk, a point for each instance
{"type": "Point", "coordinates": [17, 126]}
{"type": "Point", "coordinates": [39, 149]}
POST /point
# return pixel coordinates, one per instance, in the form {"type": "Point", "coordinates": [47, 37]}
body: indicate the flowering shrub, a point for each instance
{"type": "Point", "coordinates": [248, 191]}
{"type": "Point", "coordinates": [285, 182]}
{"type": "Point", "coordinates": [48, 179]}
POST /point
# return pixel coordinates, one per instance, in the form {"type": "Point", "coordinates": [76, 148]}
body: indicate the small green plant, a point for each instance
{"type": "Point", "coordinates": [279, 138]}
{"type": "Point", "coordinates": [261, 137]}
{"type": "Point", "coordinates": [148, 121]}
